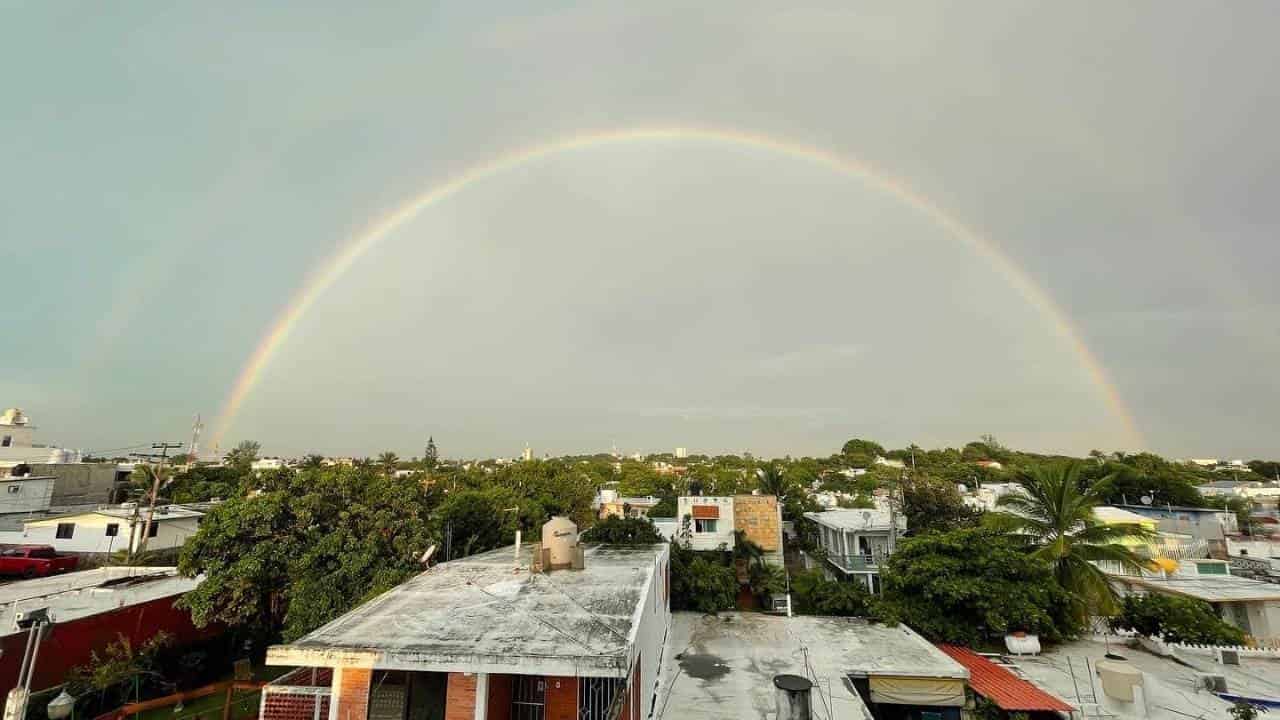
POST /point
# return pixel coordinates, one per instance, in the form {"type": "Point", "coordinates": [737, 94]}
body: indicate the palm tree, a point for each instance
{"type": "Point", "coordinates": [388, 462]}
{"type": "Point", "coordinates": [772, 482]}
{"type": "Point", "coordinates": [1057, 515]}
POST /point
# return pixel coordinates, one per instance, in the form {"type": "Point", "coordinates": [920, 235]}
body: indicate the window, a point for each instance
{"type": "Point", "coordinates": [704, 526]}
{"type": "Point", "coordinates": [113, 529]}
{"type": "Point", "coordinates": [65, 531]}
{"type": "Point", "coordinates": [14, 489]}
{"type": "Point", "coordinates": [42, 552]}
{"type": "Point", "coordinates": [7, 441]}
{"type": "Point", "coordinates": [155, 528]}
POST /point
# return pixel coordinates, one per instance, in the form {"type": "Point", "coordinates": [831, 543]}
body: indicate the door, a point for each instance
{"type": "Point", "coordinates": [528, 697]}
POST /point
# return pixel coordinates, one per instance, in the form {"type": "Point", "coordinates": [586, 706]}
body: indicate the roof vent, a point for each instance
{"type": "Point", "coordinates": [791, 697]}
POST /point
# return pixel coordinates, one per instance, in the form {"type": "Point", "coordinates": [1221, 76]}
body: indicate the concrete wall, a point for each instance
{"type": "Point", "coordinates": [651, 632]}
{"type": "Point", "coordinates": [724, 527]}
{"type": "Point", "coordinates": [82, 483]}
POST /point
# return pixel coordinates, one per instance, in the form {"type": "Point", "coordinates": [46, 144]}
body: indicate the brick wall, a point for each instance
{"type": "Point", "coordinates": [757, 516]}
{"type": "Point", "coordinates": [353, 692]}
{"type": "Point", "coordinates": [460, 697]}
{"type": "Point", "coordinates": [562, 698]}
{"type": "Point", "coordinates": [286, 706]}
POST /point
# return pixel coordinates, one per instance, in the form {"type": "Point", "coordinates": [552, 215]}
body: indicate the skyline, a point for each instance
{"type": "Point", "coordinates": [175, 186]}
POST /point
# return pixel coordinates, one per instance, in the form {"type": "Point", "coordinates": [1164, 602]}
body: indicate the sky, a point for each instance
{"type": "Point", "coordinates": [174, 177]}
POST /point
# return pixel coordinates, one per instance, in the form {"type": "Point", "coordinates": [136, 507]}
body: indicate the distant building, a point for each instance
{"type": "Point", "coordinates": [18, 446]}
{"type": "Point", "coordinates": [527, 455]}
{"type": "Point", "coordinates": [887, 462]}
{"type": "Point", "coordinates": [487, 637]}
{"type": "Point", "coordinates": [709, 522]}
{"type": "Point", "coordinates": [609, 503]}
{"type": "Point", "coordinates": [682, 453]}
{"type": "Point", "coordinates": [90, 610]}
{"type": "Point", "coordinates": [267, 464]}
{"type": "Point", "coordinates": [858, 542]}
{"type": "Point", "coordinates": [1250, 605]}
{"type": "Point", "coordinates": [1204, 462]}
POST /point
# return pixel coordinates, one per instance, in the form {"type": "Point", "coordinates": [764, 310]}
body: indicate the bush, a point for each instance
{"type": "Point", "coordinates": [1176, 619]}
{"type": "Point", "coordinates": [701, 584]}
{"type": "Point", "coordinates": [615, 530]}
{"type": "Point", "coordinates": [814, 594]}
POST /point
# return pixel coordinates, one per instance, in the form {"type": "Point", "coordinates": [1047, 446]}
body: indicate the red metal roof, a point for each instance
{"type": "Point", "coordinates": [997, 684]}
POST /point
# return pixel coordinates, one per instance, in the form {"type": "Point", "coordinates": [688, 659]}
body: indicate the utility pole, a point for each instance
{"type": "Point", "coordinates": [164, 448]}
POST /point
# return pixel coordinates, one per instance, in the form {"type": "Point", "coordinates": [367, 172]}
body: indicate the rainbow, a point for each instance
{"type": "Point", "coordinates": [331, 271]}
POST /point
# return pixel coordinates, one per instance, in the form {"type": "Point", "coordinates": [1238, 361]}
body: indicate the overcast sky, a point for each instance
{"type": "Point", "coordinates": [170, 177]}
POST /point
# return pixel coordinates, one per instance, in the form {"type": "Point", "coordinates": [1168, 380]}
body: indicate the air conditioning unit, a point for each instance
{"type": "Point", "coordinates": [1229, 657]}
{"type": "Point", "coordinates": [1211, 682]}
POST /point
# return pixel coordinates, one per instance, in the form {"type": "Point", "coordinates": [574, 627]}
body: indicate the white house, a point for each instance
{"type": "Point", "coordinates": [18, 446]}
{"type": "Point", "coordinates": [107, 530]}
{"type": "Point", "coordinates": [710, 521]}
{"type": "Point", "coordinates": [857, 542]}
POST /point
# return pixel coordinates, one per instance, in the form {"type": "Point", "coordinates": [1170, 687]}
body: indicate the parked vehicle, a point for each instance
{"type": "Point", "coordinates": [31, 561]}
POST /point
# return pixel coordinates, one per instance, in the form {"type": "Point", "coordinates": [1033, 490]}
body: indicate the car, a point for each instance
{"type": "Point", "coordinates": [31, 561]}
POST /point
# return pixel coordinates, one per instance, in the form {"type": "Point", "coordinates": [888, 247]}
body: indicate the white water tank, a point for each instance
{"type": "Point", "coordinates": [560, 537]}
{"type": "Point", "coordinates": [1119, 679]}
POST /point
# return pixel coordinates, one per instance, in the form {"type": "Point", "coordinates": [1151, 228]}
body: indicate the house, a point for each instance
{"type": "Point", "coordinates": [609, 503]}
{"type": "Point", "coordinates": [89, 610]}
{"type": "Point", "coordinates": [1208, 524]}
{"type": "Point", "coordinates": [1252, 489]}
{"type": "Point", "coordinates": [104, 530]}
{"type": "Point", "coordinates": [490, 637]}
{"type": "Point", "coordinates": [709, 522]}
{"type": "Point", "coordinates": [728, 667]}
{"type": "Point", "coordinates": [887, 462]}
{"type": "Point", "coordinates": [987, 497]}
{"type": "Point", "coordinates": [857, 542]}
{"type": "Point", "coordinates": [18, 446]}
{"type": "Point", "coordinates": [1250, 605]}
{"type": "Point", "coordinates": [264, 464]}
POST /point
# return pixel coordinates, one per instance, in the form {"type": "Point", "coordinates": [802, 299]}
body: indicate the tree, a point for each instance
{"type": "Point", "coordinates": [1058, 517]}
{"type": "Point", "coordinates": [388, 462]}
{"type": "Point", "coordinates": [113, 676]}
{"type": "Point", "coordinates": [304, 549]}
{"type": "Point", "coordinates": [1242, 710]}
{"type": "Point", "coordinates": [473, 521]}
{"type": "Point", "coordinates": [243, 455]}
{"type": "Point", "coordinates": [312, 461]}
{"type": "Point", "coordinates": [1176, 619]}
{"type": "Point", "coordinates": [700, 584]}
{"type": "Point", "coordinates": [614, 530]}
{"type": "Point", "coordinates": [964, 585]}
{"type": "Point", "coordinates": [814, 594]}
{"type": "Point", "coordinates": [861, 453]}
{"type": "Point", "coordinates": [934, 505]}
{"type": "Point", "coordinates": [430, 456]}
{"type": "Point", "coordinates": [773, 481]}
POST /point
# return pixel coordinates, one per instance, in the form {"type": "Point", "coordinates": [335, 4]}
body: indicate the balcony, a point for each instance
{"type": "Point", "coordinates": [869, 562]}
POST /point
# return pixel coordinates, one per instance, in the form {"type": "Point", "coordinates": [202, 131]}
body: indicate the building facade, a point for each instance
{"type": "Point", "coordinates": [858, 542]}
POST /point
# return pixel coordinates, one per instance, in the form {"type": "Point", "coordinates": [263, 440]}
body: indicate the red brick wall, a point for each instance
{"type": "Point", "coordinates": [460, 697]}
{"type": "Point", "coordinates": [499, 697]}
{"type": "Point", "coordinates": [353, 693]}
{"type": "Point", "coordinates": [285, 706]}
{"type": "Point", "coordinates": [562, 698]}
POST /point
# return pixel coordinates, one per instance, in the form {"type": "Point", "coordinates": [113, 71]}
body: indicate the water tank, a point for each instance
{"type": "Point", "coordinates": [560, 537]}
{"type": "Point", "coordinates": [791, 697]}
{"type": "Point", "coordinates": [1119, 678]}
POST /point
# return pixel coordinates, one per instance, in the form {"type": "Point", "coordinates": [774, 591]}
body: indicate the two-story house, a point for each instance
{"type": "Point", "coordinates": [857, 542]}
{"type": "Point", "coordinates": [710, 522]}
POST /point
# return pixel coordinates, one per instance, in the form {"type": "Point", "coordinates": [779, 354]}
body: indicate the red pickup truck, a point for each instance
{"type": "Point", "coordinates": [34, 561]}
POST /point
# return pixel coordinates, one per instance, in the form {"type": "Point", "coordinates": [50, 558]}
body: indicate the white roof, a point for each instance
{"type": "Point", "coordinates": [163, 513]}
{"type": "Point", "coordinates": [1115, 515]}
{"type": "Point", "coordinates": [856, 519]}
{"type": "Point", "coordinates": [89, 592]}
{"type": "Point", "coordinates": [1210, 588]}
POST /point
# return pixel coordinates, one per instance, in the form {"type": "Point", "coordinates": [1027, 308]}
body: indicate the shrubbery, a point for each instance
{"type": "Point", "coordinates": [1176, 619]}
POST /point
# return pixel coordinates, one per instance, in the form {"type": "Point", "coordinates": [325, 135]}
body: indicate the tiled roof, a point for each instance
{"type": "Point", "coordinates": [1006, 690]}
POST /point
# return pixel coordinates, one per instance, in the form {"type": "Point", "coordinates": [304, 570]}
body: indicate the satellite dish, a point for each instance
{"type": "Point", "coordinates": [1146, 499]}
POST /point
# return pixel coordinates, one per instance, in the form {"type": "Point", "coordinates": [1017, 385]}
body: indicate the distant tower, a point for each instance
{"type": "Point", "coordinates": [527, 455]}
{"type": "Point", "coordinates": [196, 427]}
{"type": "Point", "coordinates": [682, 453]}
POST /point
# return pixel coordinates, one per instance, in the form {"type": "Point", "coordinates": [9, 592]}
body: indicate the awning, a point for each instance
{"type": "Point", "coordinates": [1008, 691]}
{"type": "Point", "coordinates": [944, 692]}
{"type": "Point", "coordinates": [706, 512]}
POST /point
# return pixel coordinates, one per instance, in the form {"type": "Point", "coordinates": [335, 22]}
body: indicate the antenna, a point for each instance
{"type": "Point", "coordinates": [196, 427]}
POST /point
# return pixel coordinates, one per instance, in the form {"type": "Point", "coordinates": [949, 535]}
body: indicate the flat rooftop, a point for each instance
{"type": "Point", "coordinates": [81, 594]}
{"type": "Point", "coordinates": [722, 668]}
{"type": "Point", "coordinates": [856, 519]}
{"type": "Point", "coordinates": [489, 613]}
{"type": "Point", "coordinates": [1210, 588]}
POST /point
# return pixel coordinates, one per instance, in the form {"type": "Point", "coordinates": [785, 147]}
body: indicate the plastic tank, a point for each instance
{"type": "Point", "coordinates": [560, 537]}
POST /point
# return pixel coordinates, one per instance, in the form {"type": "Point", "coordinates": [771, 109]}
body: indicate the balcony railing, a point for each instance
{"type": "Point", "coordinates": [863, 562]}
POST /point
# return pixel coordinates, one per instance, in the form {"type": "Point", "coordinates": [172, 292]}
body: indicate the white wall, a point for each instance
{"type": "Point", "coordinates": [25, 495]}
{"type": "Point", "coordinates": [724, 526]}
{"type": "Point", "coordinates": [90, 534]}
{"type": "Point", "coordinates": [652, 630]}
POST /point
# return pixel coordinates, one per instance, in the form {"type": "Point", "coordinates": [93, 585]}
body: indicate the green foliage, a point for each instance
{"type": "Point", "coordinates": [933, 505]}
{"type": "Point", "coordinates": [1176, 619]}
{"type": "Point", "coordinates": [242, 456]}
{"type": "Point", "coordinates": [430, 456]}
{"type": "Point", "coordinates": [861, 452]}
{"type": "Point", "coordinates": [814, 594]}
{"type": "Point", "coordinates": [203, 483]}
{"type": "Point", "coordinates": [1241, 710]}
{"type": "Point", "coordinates": [700, 584]}
{"type": "Point", "coordinates": [766, 580]}
{"type": "Point", "coordinates": [623, 531]}
{"type": "Point", "coordinates": [856, 502]}
{"type": "Point", "coordinates": [306, 548]}
{"type": "Point", "coordinates": [1054, 513]}
{"type": "Point", "coordinates": [1131, 477]}
{"type": "Point", "coordinates": [112, 675]}
{"type": "Point", "coordinates": [965, 585]}
{"type": "Point", "coordinates": [666, 508]}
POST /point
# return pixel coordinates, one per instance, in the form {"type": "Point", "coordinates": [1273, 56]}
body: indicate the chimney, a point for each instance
{"type": "Point", "coordinates": [791, 697]}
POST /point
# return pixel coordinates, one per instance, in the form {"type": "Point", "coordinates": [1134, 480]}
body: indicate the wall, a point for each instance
{"type": "Point", "coordinates": [90, 535]}
{"type": "Point", "coordinates": [25, 495]}
{"type": "Point", "coordinates": [460, 698]}
{"type": "Point", "coordinates": [83, 483]}
{"type": "Point", "coordinates": [650, 638]}
{"type": "Point", "coordinates": [351, 693]}
{"type": "Point", "coordinates": [69, 644]}
{"type": "Point", "coordinates": [760, 518]}
{"type": "Point", "coordinates": [724, 528]}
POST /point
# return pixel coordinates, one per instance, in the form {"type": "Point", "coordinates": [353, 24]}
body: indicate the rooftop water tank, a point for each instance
{"type": "Point", "coordinates": [560, 537]}
{"type": "Point", "coordinates": [1119, 678]}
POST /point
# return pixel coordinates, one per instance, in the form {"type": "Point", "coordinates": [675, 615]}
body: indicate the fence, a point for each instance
{"type": "Point", "coordinates": [303, 694]}
{"type": "Point", "coordinates": [228, 700]}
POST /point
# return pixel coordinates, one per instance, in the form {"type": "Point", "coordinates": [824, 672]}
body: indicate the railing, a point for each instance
{"type": "Point", "coordinates": [862, 562]}
{"type": "Point", "coordinates": [303, 694]}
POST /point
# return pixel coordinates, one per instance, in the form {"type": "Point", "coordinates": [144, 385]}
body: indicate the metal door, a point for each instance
{"type": "Point", "coordinates": [528, 697]}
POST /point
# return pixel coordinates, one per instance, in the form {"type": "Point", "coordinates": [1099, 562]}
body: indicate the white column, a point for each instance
{"type": "Point", "coordinates": [482, 696]}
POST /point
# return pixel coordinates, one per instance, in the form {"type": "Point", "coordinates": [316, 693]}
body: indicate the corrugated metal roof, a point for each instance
{"type": "Point", "coordinates": [997, 684]}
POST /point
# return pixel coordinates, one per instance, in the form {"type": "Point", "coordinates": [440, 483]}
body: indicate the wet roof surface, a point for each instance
{"type": "Point", "coordinates": [487, 610]}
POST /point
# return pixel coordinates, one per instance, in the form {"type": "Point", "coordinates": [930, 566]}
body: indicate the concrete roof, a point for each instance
{"type": "Point", "coordinates": [1114, 515]}
{"type": "Point", "coordinates": [486, 614]}
{"type": "Point", "coordinates": [1210, 588]}
{"type": "Point", "coordinates": [89, 592]}
{"type": "Point", "coordinates": [723, 667]}
{"type": "Point", "coordinates": [856, 519]}
{"type": "Point", "coordinates": [167, 512]}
